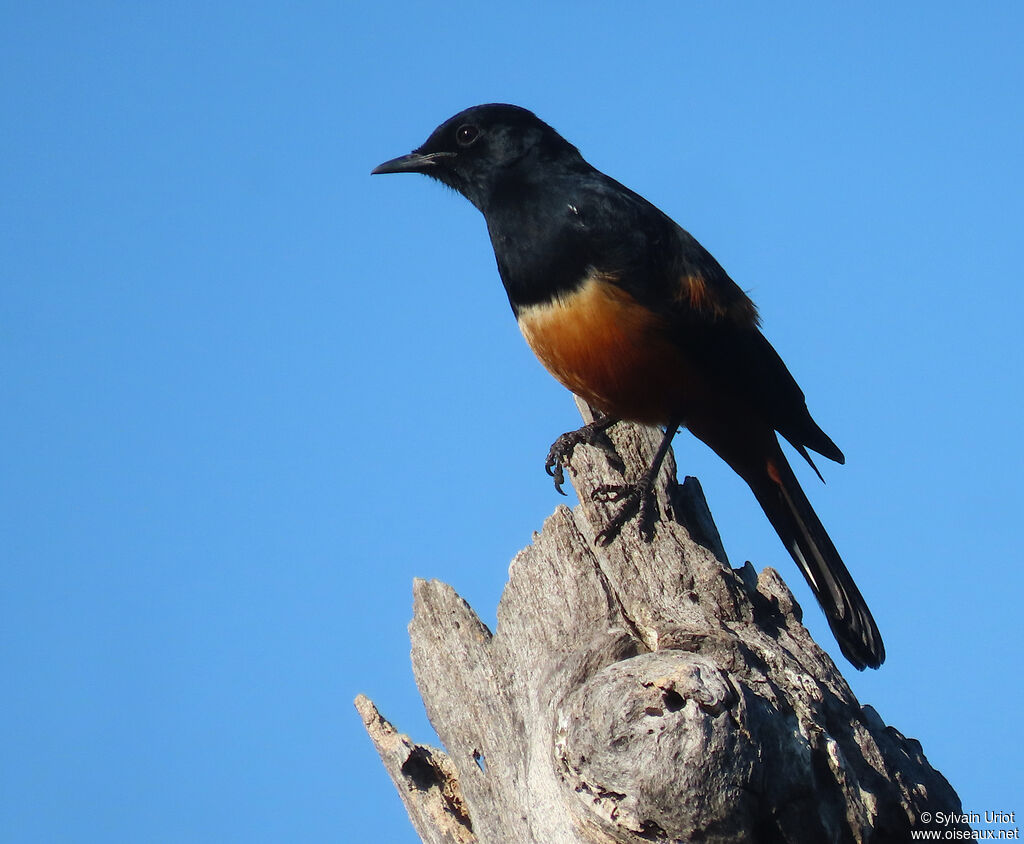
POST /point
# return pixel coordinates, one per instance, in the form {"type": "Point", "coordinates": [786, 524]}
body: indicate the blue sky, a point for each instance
{"type": "Point", "coordinates": [251, 392]}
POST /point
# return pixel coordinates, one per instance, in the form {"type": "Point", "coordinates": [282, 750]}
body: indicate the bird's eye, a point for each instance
{"type": "Point", "coordinates": [466, 134]}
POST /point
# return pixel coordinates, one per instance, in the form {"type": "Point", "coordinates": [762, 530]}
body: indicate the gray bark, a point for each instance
{"type": "Point", "coordinates": [643, 692]}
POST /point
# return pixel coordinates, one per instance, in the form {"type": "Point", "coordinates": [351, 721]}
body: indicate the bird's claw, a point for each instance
{"type": "Point", "coordinates": [637, 499]}
{"type": "Point", "coordinates": [561, 449]}
{"type": "Point", "coordinates": [553, 466]}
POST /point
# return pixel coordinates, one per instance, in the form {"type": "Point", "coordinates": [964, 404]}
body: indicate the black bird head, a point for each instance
{"type": "Point", "coordinates": [485, 148]}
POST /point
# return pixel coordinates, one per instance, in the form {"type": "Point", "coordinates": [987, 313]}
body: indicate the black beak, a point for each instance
{"type": "Point", "coordinates": [414, 162]}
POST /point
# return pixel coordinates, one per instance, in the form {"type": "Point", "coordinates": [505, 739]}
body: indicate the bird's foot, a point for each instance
{"type": "Point", "coordinates": [637, 499]}
{"type": "Point", "coordinates": [594, 434]}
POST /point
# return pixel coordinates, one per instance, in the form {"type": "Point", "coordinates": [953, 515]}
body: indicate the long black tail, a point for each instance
{"type": "Point", "coordinates": [790, 513]}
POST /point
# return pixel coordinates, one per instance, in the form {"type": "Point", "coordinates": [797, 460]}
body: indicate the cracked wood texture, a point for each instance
{"type": "Point", "coordinates": [643, 692]}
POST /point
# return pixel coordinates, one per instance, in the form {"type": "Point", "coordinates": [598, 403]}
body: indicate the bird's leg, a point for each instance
{"type": "Point", "coordinates": [637, 498]}
{"type": "Point", "coordinates": [592, 433]}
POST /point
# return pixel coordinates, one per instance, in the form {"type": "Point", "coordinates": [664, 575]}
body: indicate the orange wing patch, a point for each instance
{"type": "Point", "coordinates": [695, 291]}
{"type": "Point", "coordinates": [610, 350]}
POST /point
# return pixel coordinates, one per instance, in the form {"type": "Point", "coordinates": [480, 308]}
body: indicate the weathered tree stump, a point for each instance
{"type": "Point", "coordinates": [643, 692]}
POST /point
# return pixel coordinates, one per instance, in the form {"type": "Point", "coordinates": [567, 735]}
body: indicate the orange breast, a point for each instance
{"type": "Point", "coordinates": [613, 352]}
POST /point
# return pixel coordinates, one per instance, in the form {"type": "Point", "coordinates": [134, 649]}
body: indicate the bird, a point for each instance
{"type": "Point", "coordinates": [627, 310]}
